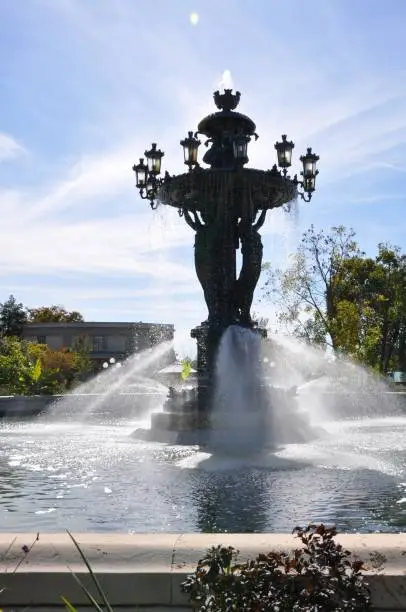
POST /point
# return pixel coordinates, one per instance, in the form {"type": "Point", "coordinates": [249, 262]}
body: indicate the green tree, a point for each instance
{"type": "Point", "coordinates": [84, 364]}
{"type": "Point", "coordinates": [373, 292]}
{"type": "Point", "coordinates": [333, 294]}
{"type": "Point", "coordinates": [28, 368]}
{"type": "Point", "coordinates": [23, 370]}
{"type": "Point", "coordinates": [187, 368]}
{"type": "Point", "coordinates": [305, 290]}
{"type": "Point", "coordinates": [13, 363]}
{"type": "Point", "coordinates": [13, 317]}
{"type": "Point", "coordinates": [391, 306]}
{"type": "Point", "coordinates": [53, 314]}
{"type": "Point", "coordinates": [59, 368]}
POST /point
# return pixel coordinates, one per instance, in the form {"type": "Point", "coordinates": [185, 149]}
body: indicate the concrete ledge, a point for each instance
{"type": "Point", "coordinates": [20, 406]}
{"type": "Point", "coordinates": [24, 405]}
{"type": "Point", "coordinates": [146, 570]}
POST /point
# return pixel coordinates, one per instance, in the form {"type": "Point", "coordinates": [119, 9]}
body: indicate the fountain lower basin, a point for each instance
{"type": "Point", "coordinates": [93, 475]}
{"type": "Point", "coordinates": [145, 571]}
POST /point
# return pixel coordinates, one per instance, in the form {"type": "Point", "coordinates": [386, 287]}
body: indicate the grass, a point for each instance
{"type": "Point", "coordinates": [92, 600]}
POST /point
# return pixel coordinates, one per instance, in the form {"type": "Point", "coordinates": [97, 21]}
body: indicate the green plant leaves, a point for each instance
{"type": "Point", "coordinates": [319, 576]}
{"type": "Point", "coordinates": [186, 369]}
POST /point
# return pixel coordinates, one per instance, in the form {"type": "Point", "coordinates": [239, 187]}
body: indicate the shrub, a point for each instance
{"type": "Point", "coordinates": [317, 577]}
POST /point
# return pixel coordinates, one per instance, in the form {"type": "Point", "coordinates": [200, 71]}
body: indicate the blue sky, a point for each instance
{"type": "Point", "coordinates": [87, 85]}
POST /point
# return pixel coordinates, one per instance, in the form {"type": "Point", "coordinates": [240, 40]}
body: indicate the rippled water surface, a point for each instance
{"type": "Point", "coordinates": [95, 477]}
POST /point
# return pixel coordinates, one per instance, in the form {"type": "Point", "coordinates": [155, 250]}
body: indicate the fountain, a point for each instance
{"type": "Point", "coordinates": [225, 205]}
{"type": "Point", "coordinates": [263, 466]}
{"type": "Point", "coordinates": [132, 388]}
{"type": "Point", "coordinates": [249, 414]}
{"type": "Point", "coordinates": [268, 433]}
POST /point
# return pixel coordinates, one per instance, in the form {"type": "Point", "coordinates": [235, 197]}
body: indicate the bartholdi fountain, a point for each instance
{"type": "Point", "coordinates": [226, 205]}
{"type": "Point", "coordinates": [219, 469]}
{"type": "Point", "coordinates": [80, 466]}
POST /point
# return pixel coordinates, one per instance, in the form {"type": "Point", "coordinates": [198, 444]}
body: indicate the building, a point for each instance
{"type": "Point", "coordinates": [105, 340]}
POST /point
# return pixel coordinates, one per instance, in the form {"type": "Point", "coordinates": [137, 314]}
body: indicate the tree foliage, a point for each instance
{"type": "Point", "coordinates": [332, 293]}
{"type": "Point", "coordinates": [83, 362]}
{"type": "Point", "coordinates": [28, 368]}
{"type": "Point", "coordinates": [13, 365]}
{"type": "Point", "coordinates": [187, 368]}
{"type": "Point", "coordinates": [13, 317]}
{"type": "Point", "coordinates": [53, 314]}
{"type": "Point", "coordinates": [371, 298]}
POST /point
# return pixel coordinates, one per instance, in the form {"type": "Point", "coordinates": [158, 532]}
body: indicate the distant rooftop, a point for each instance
{"type": "Point", "coordinates": [82, 324]}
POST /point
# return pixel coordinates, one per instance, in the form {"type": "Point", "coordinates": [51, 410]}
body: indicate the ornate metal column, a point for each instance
{"type": "Point", "coordinates": [225, 204]}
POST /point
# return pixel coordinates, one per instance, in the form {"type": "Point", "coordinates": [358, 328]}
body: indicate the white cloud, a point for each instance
{"type": "Point", "coordinates": [90, 294]}
{"type": "Point", "coordinates": [85, 217]}
{"type": "Point", "coordinates": [349, 128]}
{"type": "Point", "coordinates": [9, 147]}
{"type": "Point", "coordinates": [103, 247]}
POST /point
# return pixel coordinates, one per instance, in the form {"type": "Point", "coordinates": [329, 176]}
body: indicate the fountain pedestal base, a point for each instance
{"type": "Point", "coordinates": [184, 418]}
{"type": "Point", "coordinates": [182, 422]}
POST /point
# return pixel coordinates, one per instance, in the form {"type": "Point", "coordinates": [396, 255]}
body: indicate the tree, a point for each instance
{"type": "Point", "coordinates": [374, 290]}
{"type": "Point", "coordinates": [390, 278]}
{"type": "Point", "coordinates": [333, 294]}
{"type": "Point", "coordinates": [28, 368]}
{"type": "Point", "coordinates": [305, 290]}
{"type": "Point", "coordinates": [83, 361]}
{"type": "Point", "coordinates": [13, 362]}
{"type": "Point", "coordinates": [53, 314]}
{"type": "Point", "coordinates": [13, 317]}
{"type": "Point", "coordinates": [58, 368]}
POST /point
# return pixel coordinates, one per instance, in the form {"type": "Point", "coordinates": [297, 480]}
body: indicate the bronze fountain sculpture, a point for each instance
{"type": "Point", "coordinates": [226, 205]}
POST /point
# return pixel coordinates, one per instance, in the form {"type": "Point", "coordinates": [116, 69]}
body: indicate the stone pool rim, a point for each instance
{"type": "Point", "coordinates": [146, 570]}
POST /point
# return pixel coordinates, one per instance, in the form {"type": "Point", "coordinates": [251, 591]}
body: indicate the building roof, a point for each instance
{"type": "Point", "coordinates": [87, 324]}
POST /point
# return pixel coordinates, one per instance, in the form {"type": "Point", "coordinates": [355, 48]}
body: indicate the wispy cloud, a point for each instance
{"type": "Point", "coordinates": [90, 85]}
{"type": "Point", "coordinates": [9, 147]}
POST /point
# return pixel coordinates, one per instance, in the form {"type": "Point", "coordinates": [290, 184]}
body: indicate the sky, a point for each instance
{"type": "Point", "coordinates": [87, 85]}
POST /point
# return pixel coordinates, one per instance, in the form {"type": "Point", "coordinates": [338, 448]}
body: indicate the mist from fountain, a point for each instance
{"type": "Point", "coordinates": [328, 388]}
{"type": "Point", "coordinates": [276, 392]}
{"type": "Point", "coordinates": [256, 474]}
{"type": "Point", "coordinates": [249, 415]}
{"type": "Point", "coordinates": [126, 389]}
